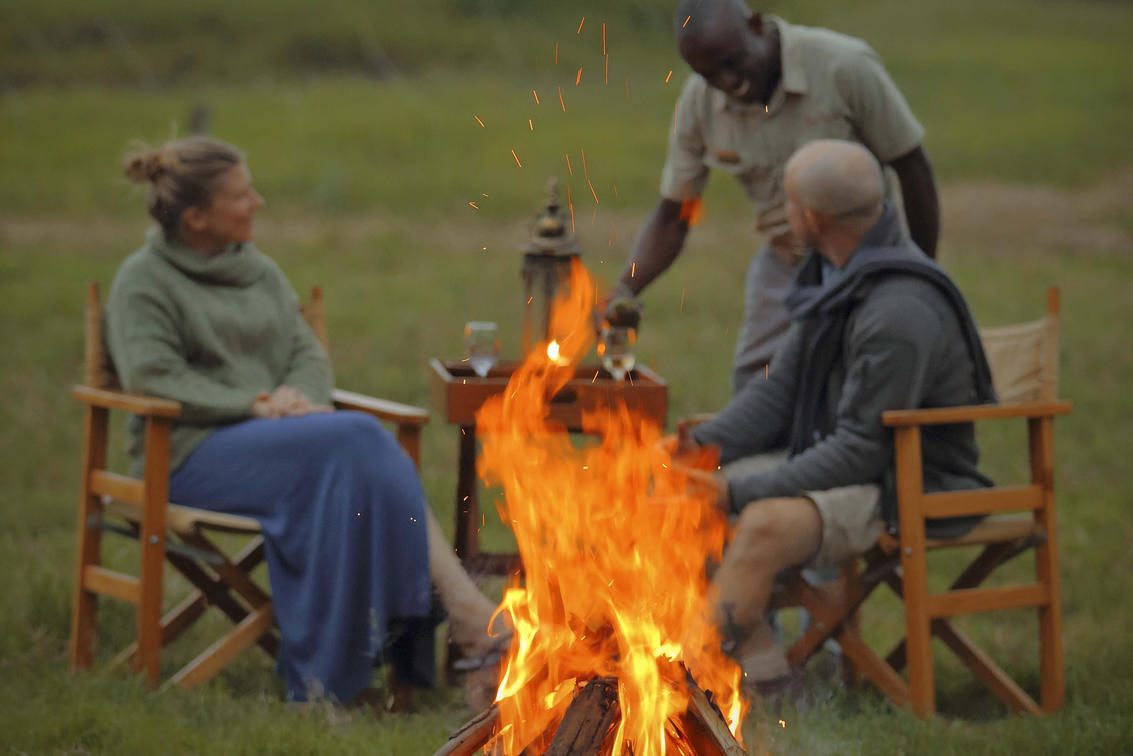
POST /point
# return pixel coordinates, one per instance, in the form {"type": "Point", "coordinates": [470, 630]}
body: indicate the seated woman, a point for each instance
{"type": "Point", "coordinates": [199, 315]}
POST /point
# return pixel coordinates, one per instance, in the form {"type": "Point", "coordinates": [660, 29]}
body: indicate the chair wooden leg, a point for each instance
{"type": "Point", "coordinates": [152, 544]}
{"type": "Point", "coordinates": [850, 578]}
{"type": "Point", "coordinates": [1053, 686]}
{"type": "Point", "coordinates": [176, 621]}
{"type": "Point", "coordinates": [914, 568]}
{"type": "Point", "coordinates": [85, 603]}
{"type": "Point", "coordinates": [873, 667]}
{"type": "Point", "coordinates": [215, 657]}
{"type": "Point", "coordinates": [996, 680]}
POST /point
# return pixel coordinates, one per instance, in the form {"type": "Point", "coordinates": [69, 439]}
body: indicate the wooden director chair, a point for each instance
{"type": "Point", "coordinates": [1024, 363]}
{"type": "Point", "coordinates": [138, 507]}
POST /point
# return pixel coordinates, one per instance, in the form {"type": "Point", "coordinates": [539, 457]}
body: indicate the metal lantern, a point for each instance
{"type": "Point", "coordinates": [547, 258]}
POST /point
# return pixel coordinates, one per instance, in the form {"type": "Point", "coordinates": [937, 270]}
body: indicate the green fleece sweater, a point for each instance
{"type": "Point", "coordinates": [209, 332]}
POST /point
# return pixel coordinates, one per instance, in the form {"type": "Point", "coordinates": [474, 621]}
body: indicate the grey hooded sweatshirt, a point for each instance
{"type": "Point", "coordinates": [893, 332]}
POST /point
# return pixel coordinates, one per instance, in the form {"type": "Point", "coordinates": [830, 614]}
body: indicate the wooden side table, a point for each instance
{"type": "Point", "coordinates": [458, 393]}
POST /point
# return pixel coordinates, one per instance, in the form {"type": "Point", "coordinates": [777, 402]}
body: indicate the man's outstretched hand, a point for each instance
{"type": "Point", "coordinates": [622, 308]}
{"type": "Point", "coordinates": [694, 460]}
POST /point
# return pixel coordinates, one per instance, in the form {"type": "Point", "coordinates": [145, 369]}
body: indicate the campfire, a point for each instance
{"type": "Point", "coordinates": [614, 651]}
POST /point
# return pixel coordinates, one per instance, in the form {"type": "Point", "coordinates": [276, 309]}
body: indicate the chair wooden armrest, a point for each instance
{"type": "Point", "coordinates": [383, 409]}
{"type": "Point", "coordinates": [138, 404]}
{"type": "Point", "coordinates": [973, 413]}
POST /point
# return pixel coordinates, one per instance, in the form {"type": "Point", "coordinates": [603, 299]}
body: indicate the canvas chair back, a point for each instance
{"type": "Point", "coordinates": [1024, 357]}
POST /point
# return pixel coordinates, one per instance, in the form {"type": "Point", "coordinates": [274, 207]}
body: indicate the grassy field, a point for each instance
{"type": "Point", "coordinates": [360, 127]}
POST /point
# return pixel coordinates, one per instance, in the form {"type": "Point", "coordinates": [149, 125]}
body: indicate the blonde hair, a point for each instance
{"type": "Point", "coordinates": [182, 173]}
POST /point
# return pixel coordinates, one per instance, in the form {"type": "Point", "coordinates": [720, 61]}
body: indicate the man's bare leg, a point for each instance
{"type": "Point", "coordinates": [770, 536]}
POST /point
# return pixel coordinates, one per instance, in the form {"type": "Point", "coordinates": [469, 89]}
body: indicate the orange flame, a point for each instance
{"type": "Point", "coordinates": [614, 543]}
{"type": "Point", "coordinates": [692, 210]}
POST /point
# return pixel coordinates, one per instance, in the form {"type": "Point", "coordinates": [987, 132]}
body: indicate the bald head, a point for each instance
{"type": "Point", "coordinates": [840, 181]}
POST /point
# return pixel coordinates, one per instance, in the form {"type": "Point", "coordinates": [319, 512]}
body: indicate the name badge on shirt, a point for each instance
{"type": "Point", "coordinates": [727, 156]}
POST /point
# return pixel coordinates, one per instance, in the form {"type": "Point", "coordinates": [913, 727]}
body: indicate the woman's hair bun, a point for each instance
{"type": "Point", "coordinates": [148, 164]}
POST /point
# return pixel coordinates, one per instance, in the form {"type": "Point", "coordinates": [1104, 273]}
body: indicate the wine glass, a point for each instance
{"type": "Point", "coordinates": [615, 347]}
{"type": "Point", "coordinates": [481, 340]}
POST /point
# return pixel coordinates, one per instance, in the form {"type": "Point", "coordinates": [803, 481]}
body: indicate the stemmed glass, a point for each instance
{"type": "Point", "coordinates": [615, 347]}
{"type": "Point", "coordinates": [482, 342]}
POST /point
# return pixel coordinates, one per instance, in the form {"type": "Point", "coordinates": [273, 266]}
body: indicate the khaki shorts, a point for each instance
{"type": "Point", "coordinates": [851, 515]}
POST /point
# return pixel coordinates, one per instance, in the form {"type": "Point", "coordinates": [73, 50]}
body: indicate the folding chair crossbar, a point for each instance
{"type": "Point", "coordinates": [210, 590]}
{"type": "Point", "coordinates": [171, 546]}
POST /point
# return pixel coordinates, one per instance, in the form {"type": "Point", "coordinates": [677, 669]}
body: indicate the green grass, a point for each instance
{"type": "Point", "coordinates": [1027, 106]}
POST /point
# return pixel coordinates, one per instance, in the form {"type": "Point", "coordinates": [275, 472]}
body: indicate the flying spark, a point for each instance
{"type": "Point", "coordinates": [516, 158]}
{"type": "Point", "coordinates": [578, 76]}
{"type": "Point", "coordinates": [668, 76]}
{"type": "Point", "coordinates": [592, 192]}
{"type": "Point", "coordinates": [606, 78]}
{"type": "Point", "coordinates": [686, 21]}
{"type": "Point", "coordinates": [633, 270]}
{"type": "Point", "coordinates": [570, 168]}
{"type": "Point", "coordinates": [603, 37]}
{"type": "Point", "coordinates": [580, 23]}
{"type": "Point", "coordinates": [556, 53]}
{"type": "Point", "coordinates": [473, 205]}
{"type": "Point", "coordinates": [585, 171]}
{"type": "Point", "coordinates": [562, 103]}
{"type": "Point", "coordinates": [570, 204]}
{"type": "Point", "coordinates": [530, 125]}
{"type": "Point", "coordinates": [479, 121]}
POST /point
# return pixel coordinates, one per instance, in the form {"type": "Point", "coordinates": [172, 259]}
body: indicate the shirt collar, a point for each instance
{"type": "Point", "coordinates": [792, 81]}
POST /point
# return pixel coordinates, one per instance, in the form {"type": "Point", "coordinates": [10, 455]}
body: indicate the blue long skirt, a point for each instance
{"type": "Point", "coordinates": [342, 511]}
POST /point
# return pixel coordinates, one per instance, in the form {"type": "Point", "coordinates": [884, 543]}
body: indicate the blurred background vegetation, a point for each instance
{"type": "Point", "coordinates": [360, 123]}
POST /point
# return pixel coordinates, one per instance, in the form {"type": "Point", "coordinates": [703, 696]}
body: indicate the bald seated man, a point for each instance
{"type": "Point", "coordinates": [875, 326]}
{"type": "Point", "coordinates": [760, 88]}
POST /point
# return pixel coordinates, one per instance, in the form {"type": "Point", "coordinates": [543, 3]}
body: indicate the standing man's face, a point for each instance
{"type": "Point", "coordinates": [736, 58]}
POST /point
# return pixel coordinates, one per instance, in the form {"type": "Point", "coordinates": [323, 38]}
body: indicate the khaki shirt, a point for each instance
{"type": "Point", "coordinates": [832, 87]}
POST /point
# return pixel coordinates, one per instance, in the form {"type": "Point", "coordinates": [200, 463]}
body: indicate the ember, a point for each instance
{"type": "Point", "coordinates": [614, 544]}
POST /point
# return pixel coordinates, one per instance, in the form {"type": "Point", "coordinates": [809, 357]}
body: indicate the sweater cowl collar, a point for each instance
{"type": "Point", "coordinates": [885, 246]}
{"type": "Point", "coordinates": [238, 265]}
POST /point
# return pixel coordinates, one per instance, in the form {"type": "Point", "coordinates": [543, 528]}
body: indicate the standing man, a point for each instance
{"type": "Point", "coordinates": [761, 88]}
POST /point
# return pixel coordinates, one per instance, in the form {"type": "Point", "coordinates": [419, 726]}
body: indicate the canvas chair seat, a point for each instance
{"type": "Point", "coordinates": [179, 535]}
{"type": "Point", "coordinates": [990, 530]}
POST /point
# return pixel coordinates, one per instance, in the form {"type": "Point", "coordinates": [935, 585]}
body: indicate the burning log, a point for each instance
{"type": "Point", "coordinates": [473, 736]}
{"type": "Point", "coordinates": [704, 726]}
{"type": "Point", "coordinates": [587, 728]}
{"type": "Point", "coordinates": [588, 722]}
